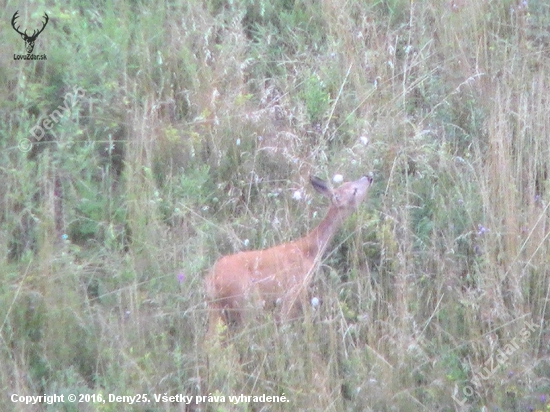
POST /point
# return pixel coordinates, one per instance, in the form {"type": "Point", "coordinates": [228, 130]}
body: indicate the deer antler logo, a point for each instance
{"type": "Point", "coordinates": [29, 40]}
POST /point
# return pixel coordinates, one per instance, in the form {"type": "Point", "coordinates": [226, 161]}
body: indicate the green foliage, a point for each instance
{"type": "Point", "coordinates": [194, 132]}
{"type": "Point", "coordinates": [316, 98]}
{"type": "Point", "coordinates": [397, 10]}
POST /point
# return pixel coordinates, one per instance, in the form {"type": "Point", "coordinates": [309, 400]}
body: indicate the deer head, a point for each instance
{"type": "Point", "coordinates": [29, 40]}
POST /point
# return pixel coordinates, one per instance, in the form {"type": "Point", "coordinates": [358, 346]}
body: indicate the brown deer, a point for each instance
{"type": "Point", "coordinates": [278, 276]}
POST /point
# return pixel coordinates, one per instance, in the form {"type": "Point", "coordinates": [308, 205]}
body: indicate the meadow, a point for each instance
{"type": "Point", "coordinates": [157, 137]}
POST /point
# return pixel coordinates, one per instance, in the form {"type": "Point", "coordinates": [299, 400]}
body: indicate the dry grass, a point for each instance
{"type": "Point", "coordinates": [200, 122]}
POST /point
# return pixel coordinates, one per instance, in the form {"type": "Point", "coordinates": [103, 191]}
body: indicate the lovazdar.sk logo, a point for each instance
{"type": "Point", "coordinates": [29, 39]}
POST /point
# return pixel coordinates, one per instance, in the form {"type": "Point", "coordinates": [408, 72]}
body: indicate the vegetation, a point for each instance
{"type": "Point", "coordinates": [188, 129]}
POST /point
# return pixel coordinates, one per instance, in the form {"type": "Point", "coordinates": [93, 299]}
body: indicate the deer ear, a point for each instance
{"type": "Point", "coordinates": [321, 186]}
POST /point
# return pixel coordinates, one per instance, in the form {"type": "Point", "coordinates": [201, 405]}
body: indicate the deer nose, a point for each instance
{"type": "Point", "coordinates": [369, 177]}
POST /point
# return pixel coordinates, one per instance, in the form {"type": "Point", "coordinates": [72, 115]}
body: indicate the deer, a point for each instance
{"type": "Point", "coordinates": [278, 277]}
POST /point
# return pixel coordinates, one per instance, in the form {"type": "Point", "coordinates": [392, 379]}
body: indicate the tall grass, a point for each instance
{"type": "Point", "coordinates": [199, 125]}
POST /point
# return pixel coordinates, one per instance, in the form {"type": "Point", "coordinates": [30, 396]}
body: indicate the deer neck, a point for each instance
{"type": "Point", "coordinates": [317, 240]}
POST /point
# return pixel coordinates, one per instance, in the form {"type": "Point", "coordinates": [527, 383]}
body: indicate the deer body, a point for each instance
{"type": "Point", "coordinates": [278, 276]}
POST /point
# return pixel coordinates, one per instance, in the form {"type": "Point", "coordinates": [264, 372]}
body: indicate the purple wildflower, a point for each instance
{"type": "Point", "coordinates": [481, 229]}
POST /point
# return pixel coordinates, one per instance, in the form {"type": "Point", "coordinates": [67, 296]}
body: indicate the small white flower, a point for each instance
{"type": "Point", "coordinates": [338, 178]}
{"type": "Point", "coordinates": [297, 195]}
{"type": "Point", "coordinates": [315, 302]}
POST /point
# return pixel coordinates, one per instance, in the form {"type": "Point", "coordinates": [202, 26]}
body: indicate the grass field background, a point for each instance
{"type": "Point", "coordinates": [187, 130]}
